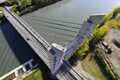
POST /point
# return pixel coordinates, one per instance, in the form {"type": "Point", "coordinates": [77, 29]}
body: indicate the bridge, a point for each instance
{"type": "Point", "coordinates": [54, 56]}
{"type": "Point", "coordinates": [39, 45]}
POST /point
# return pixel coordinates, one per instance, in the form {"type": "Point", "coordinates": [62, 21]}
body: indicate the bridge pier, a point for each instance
{"type": "Point", "coordinates": [53, 76]}
{"type": "Point", "coordinates": [55, 57]}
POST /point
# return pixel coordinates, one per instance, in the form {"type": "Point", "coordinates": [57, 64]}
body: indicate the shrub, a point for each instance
{"type": "Point", "coordinates": [12, 2]}
{"type": "Point", "coordinates": [18, 13]}
{"type": "Point", "coordinates": [116, 10]}
{"type": "Point", "coordinates": [111, 23]}
{"type": "Point", "coordinates": [81, 50]}
{"type": "Point", "coordinates": [98, 33]}
{"type": "Point", "coordinates": [14, 9]}
{"type": "Point", "coordinates": [118, 18]}
{"type": "Point", "coordinates": [108, 67]}
{"type": "Point", "coordinates": [105, 19]}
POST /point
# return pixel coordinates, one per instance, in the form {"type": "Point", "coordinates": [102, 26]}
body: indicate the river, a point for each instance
{"type": "Point", "coordinates": [57, 23]}
{"type": "Point", "coordinates": [75, 11]}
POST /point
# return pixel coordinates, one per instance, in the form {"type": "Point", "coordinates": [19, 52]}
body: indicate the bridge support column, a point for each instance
{"type": "Point", "coordinates": [55, 57]}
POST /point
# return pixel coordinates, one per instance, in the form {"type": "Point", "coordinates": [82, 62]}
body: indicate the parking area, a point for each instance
{"type": "Point", "coordinates": [113, 40]}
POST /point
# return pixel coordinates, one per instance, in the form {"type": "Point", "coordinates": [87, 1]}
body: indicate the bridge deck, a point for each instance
{"type": "Point", "coordinates": [66, 72]}
{"type": "Point", "coordinates": [37, 43]}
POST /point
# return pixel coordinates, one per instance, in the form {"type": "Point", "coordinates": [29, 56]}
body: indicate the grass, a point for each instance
{"type": "Point", "coordinates": [93, 67]}
{"type": "Point", "coordinates": [37, 74]}
{"type": "Point", "coordinates": [86, 77]}
{"type": "Point", "coordinates": [116, 10]}
{"type": "Point", "coordinates": [119, 74]}
{"type": "Point", "coordinates": [118, 24]}
{"type": "Point", "coordinates": [41, 73]}
{"type": "Point", "coordinates": [1, 8]}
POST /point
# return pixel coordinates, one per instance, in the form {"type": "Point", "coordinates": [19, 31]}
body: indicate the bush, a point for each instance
{"type": "Point", "coordinates": [79, 52]}
{"type": "Point", "coordinates": [116, 10]}
{"type": "Point", "coordinates": [82, 49]}
{"type": "Point", "coordinates": [98, 33]}
{"type": "Point", "coordinates": [107, 65]}
{"type": "Point", "coordinates": [12, 2]}
{"type": "Point", "coordinates": [111, 23]}
{"type": "Point", "coordinates": [18, 13]}
{"type": "Point", "coordinates": [14, 9]}
{"type": "Point", "coordinates": [105, 19]}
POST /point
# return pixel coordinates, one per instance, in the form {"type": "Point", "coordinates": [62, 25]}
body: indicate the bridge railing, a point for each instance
{"type": "Point", "coordinates": [48, 46]}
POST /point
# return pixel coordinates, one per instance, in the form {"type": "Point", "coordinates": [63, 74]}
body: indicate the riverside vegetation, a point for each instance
{"type": "Point", "coordinates": [24, 6]}
{"type": "Point", "coordinates": [88, 46]}
{"type": "Point", "coordinates": [21, 7]}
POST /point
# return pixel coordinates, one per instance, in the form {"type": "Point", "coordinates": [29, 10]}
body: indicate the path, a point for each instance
{"type": "Point", "coordinates": [81, 71]}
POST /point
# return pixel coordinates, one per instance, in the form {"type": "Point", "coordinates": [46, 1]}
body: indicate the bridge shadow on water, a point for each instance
{"type": "Point", "coordinates": [17, 44]}
{"type": "Point", "coordinates": [21, 51]}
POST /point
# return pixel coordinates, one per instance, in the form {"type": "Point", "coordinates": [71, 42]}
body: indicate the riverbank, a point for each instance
{"type": "Point", "coordinates": [24, 7]}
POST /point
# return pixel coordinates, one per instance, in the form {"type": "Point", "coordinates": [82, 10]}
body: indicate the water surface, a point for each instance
{"type": "Point", "coordinates": [76, 11]}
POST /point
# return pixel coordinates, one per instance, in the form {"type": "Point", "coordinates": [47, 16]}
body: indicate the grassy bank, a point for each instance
{"type": "Point", "coordinates": [91, 65]}
{"type": "Point", "coordinates": [118, 25]}
{"type": "Point", "coordinates": [22, 7]}
{"type": "Point", "coordinates": [41, 73]}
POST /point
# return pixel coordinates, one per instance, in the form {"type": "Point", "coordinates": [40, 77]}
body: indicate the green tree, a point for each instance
{"type": "Point", "coordinates": [81, 50]}
{"type": "Point", "coordinates": [25, 3]}
{"type": "Point", "coordinates": [97, 34]}
{"type": "Point", "coordinates": [105, 19]}
{"type": "Point", "coordinates": [111, 23]}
